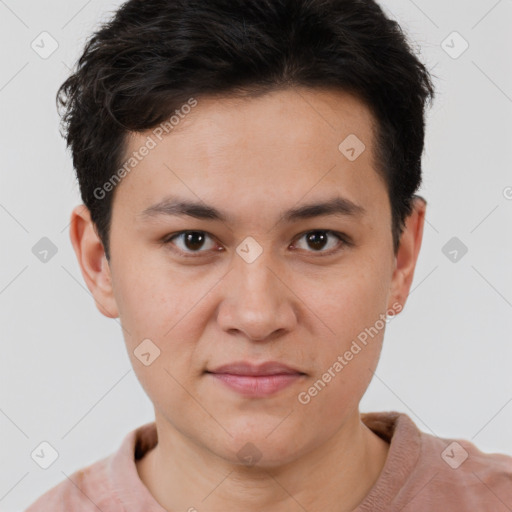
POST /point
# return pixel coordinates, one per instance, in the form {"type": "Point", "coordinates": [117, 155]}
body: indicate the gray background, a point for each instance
{"type": "Point", "coordinates": [65, 375]}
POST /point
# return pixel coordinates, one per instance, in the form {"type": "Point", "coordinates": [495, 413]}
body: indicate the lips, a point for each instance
{"type": "Point", "coordinates": [256, 380]}
{"type": "Point", "coordinates": [255, 370]}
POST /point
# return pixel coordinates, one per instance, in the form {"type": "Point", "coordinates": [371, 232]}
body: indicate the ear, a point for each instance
{"type": "Point", "coordinates": [92, 260]}
{"type": "Point", "coordinates": [407, 255]}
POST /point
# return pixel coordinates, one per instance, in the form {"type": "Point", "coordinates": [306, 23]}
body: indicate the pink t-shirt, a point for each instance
{"type": "Point", "coordinates": [421, 473]}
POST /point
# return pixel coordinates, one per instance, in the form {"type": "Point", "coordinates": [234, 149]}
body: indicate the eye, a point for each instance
{"type": "Point", "coordinates": [191, 241]}
{"type": "Point", "coordinates": [318, 240]}
{"type": "Point", "coordinates": [321, 241]}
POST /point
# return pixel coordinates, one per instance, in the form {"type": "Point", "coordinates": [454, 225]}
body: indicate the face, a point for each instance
{"type": "Point", "coordinates": [254, 273]}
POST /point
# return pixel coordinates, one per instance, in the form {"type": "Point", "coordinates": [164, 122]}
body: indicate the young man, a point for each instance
{"type": "Point", "coordinates": [248, 171]}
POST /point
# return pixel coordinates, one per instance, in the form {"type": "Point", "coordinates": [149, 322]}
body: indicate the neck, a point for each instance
{"type": "Point", "coordinates": [336, 476]}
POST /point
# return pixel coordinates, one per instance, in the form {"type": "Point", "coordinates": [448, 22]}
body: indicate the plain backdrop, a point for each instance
{"type": "Point", "coordinates": [65, 376]}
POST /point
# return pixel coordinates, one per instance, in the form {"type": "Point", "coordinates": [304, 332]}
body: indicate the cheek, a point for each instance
{"type": "Point", "coordinates": [348, 301]}
{"type": "Point", "coordinates": [169, 309]}
{"type": "Point", "coordinates": [152, 299]}
{"type": "Point", "coordinates": [344, 373]}
{"type": "Point", "coordinates": [333, 395]}
{"type": "Point", "coordinates": [161, 311]}
{"type": "Point", "coordinates": [353, 307]}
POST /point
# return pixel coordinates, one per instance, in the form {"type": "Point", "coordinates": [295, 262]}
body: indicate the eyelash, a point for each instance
{"type": "Point", "coordinates": [344, 240]}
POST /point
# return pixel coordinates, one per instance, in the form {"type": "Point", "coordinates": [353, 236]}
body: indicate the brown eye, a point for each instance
{"type": "Point", "coordinates": [192, 241]}
{"type": "Point", "coordinates": [320, 240]}
{"type": "Point", "coordinates": [316, 240]}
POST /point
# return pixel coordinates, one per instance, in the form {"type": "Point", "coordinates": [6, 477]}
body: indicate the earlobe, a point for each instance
{"type": "Point", "coordinates": [408, 251]}
{"type": "Point", "coordinates": [92, 260]}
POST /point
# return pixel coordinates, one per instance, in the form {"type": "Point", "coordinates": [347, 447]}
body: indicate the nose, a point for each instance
{"type": "Point", "coordinates": [257, 302]}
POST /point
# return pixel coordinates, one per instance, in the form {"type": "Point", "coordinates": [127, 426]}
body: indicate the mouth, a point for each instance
{"type": "Point", "coordinates": [256, 380]}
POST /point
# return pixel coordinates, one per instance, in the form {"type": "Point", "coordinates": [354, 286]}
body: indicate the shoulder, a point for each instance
{"type": "Point", "coordinates": [463, 464]}
{"type": "Point", "coordinates": [87, 489]}
{"type": "Point", "coordinates": [462, 477]}
{"type": "Point", "coordinates": [109, 485]}
{"type": "Point", "coordinates": [426, 472]}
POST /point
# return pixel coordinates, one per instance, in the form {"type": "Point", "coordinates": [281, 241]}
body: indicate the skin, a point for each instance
{"type": "Point", "coordinates": [254, 159]}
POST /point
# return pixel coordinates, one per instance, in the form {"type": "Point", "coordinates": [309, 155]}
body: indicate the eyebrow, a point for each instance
{"type": "Point", "coordinates": [339, 206]}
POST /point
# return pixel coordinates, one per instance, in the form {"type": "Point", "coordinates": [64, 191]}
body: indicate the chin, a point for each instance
{"type": "Point", "coordinates": [265, 444]}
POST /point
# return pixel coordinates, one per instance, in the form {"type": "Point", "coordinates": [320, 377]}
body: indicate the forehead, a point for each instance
{"type": "Point", "coordinates": [277, 147]}
{"type": "Point", "coordinates": [294, 117]}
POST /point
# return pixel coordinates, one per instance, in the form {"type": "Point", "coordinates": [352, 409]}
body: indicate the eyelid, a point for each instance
{"type": "Point", "coordinates": [168, 240]}
{"type": "Point", "coordinates": [343, 239]}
